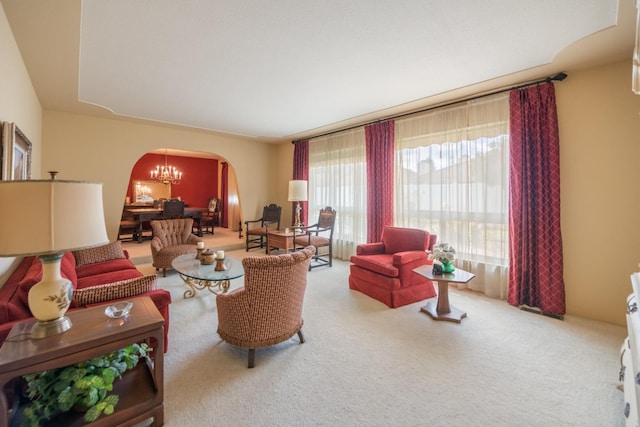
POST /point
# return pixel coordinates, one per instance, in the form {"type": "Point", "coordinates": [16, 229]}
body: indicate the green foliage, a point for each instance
{"type": "Point", "coordinates": [86, 384]}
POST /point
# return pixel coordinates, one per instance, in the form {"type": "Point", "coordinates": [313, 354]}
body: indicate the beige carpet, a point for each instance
{"type": "Point", "coordinates": [365, 364]}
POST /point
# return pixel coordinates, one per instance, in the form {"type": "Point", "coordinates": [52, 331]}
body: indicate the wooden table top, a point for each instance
{"type": "Point", "coordinates": [458, 276]}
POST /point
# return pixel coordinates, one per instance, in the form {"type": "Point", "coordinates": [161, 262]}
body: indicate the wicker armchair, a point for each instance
{"type": "Point", "coordinates": [268, 309]}
{"type": "Point", "coordinates": [171, 238]}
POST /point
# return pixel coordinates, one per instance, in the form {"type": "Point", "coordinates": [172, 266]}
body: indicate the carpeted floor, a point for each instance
{"type": "Point", "coordinates": [365, 364]}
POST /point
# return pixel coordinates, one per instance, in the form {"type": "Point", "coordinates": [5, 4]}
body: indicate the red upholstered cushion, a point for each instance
{"type": "Point", "coordinates": [381, 264]}
{"type": "Point", "coordinates": [104, 267]}
{"type": "Point", "coordinates": [108, 277]}
{"type": "Point", "coordinates": [370, 248]}
{"type": "Point", "coordinates": [398, 239]}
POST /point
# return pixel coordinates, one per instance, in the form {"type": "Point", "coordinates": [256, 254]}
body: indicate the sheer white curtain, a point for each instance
{"type": "Point", "coordinates": [451, 178]}
{"type": "Point", "coordinates": [337, 178]}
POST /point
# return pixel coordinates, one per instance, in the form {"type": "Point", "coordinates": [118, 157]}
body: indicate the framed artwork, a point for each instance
{"type": "Point", "coordinates": [148, 191]}
{"type": "Point", "coordinates": [15, 154]}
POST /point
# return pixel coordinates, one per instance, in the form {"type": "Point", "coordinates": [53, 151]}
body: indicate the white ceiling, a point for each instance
{"type": "Point", "coordinates": [283, 69]}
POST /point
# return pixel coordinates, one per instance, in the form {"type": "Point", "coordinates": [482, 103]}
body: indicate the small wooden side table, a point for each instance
{"type": "Point", "coordinates": [442, 310]}
{"type": "Point", "coordinates": [281, 239]}
{"type": "Point", "coordinates": [93, 334]}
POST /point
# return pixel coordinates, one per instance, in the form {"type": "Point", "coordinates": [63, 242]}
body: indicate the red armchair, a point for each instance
{"type": "Point", "coordinates": [384, 270]}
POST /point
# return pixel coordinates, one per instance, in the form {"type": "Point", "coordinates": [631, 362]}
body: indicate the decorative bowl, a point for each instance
{"type": "Point", "coordinates": [207, 258]}
{"type": "Point", "coordinates": [119, 309]}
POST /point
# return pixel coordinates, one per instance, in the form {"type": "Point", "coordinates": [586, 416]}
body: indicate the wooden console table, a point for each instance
{"type": "Point", "coordinates": [93, 334]}
{"type": "Point", "coordinates": [442, 310]}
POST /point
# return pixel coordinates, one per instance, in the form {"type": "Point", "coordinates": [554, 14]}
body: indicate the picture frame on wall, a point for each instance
{"type": "Point", "coordinates": [15, 160]}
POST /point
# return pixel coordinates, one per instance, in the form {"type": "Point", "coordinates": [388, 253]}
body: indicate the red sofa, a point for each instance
{"type": "Point", "coordinates": [98, 275]}
{"type": "Point", "coordinates": [384, 270]}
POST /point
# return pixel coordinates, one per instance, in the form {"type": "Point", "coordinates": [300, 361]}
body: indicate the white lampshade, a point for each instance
{"type": "Point", "coordinates": [48, 218]}
{"type": "Point", "coordinates": [41, 217]}
{"type": "Point", "coordinates": [297, 190]}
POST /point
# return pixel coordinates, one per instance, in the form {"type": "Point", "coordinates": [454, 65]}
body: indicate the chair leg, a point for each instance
{"type": "Point", "coordinates": [164, 272]}
{"type": "Point", "coordinates": [301, 336]}
{"type": "Point", "coordinates": [252, 358]}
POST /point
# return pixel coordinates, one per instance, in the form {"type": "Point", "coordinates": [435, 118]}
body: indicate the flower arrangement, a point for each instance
{"type": "Point", "coordinates": [443, 252]}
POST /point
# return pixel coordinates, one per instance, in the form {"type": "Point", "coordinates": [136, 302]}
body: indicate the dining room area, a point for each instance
{"type": "Point", "coordinates": [169, 183]}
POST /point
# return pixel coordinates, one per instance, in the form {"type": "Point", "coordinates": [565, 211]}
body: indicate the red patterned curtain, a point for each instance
{"type": "Point", "coordinates": [379, 141]}
{"type": "Point", "coordinates": [301, 171]}
{"type": "Point", "coordinates": [224, 217]}
{"type": "Point", "coordinates": [535, 266]}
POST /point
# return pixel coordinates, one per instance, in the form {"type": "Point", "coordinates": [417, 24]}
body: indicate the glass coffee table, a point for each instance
{"type": "Point", "coordinates": [199, 277]}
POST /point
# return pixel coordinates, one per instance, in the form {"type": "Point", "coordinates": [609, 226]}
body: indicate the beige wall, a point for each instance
{"type": "Point", "coordinates": [18, 103]}
{"type": "Point", "coordinates": [105, 150]}
{"type": "Point", "coordinates": [599, 120]}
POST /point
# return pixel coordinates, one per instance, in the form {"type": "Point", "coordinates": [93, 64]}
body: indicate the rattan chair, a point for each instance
{"type": "Point", "coordinates": [268, 309]}
{"type": "Point", "coordinates": [171, 238]}
{"type": "Point", "coordinates": [256, 230]}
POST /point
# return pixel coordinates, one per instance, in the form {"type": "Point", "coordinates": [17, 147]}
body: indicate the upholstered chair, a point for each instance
{"type": "Point", "coordinates": [319, 235]}
{"type": "Point", "coordinates": [268, 309]}
{"type": "Point", "coordinates": [171, 238]}
{"type": "Point", "coordinates": [256, 229]}
{"type": "Point", "coordinates": [384, 270]}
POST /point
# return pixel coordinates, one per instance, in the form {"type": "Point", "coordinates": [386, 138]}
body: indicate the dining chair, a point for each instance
{"type": "Point", "coordinates": [257, 229]}
{"type": "Point", "coordinates": [318, 235]}
{"type": "Point", "coordinates": [172, 209]}
{"type": "Point", "coordinates": [211, 217]}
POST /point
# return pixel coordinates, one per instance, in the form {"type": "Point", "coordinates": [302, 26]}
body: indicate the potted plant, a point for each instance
{"type": "Point", "coordinates": [81, 386]}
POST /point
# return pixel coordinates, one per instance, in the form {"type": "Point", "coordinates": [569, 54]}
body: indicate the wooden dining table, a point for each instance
{"type": "Point", "coordinates": [142, 215]}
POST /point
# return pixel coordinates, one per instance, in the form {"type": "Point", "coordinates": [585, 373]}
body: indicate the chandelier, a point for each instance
{"type": "Point", "coordinates": [166, 174]}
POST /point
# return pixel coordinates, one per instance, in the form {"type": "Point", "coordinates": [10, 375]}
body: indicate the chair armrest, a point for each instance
{"type": "Point", "coordinates": [156, 245]}
{"type": "Point", "coordinates": [233, 312]}
{"type": "Point", "coordinates": [252, 221]}
{"type": "Point", "coordinates": [316, 230]}
{"type": "Point", "coordinates": [192, 239]}
{"type": "Point", "coordinates": [370, 248]}
{"type": "Point", "coordinates": [400, 258]}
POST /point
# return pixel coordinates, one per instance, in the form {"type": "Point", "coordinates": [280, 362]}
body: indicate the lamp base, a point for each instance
{"type": "Point", "coordinates": [51, 327]}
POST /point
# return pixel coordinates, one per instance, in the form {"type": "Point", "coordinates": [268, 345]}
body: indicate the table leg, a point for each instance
{"type": "Point", "coordinates": [200, 227]}
{"type": "Point", "coordinates": [139, 232]}
{"type": "Point", "coordinates": [214, 286]}
{"type": "Point", "coordinates": [441, 309]}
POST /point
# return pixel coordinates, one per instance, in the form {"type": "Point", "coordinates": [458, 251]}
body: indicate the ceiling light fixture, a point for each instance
{"type": "Point", "coordinates": [166, 174]}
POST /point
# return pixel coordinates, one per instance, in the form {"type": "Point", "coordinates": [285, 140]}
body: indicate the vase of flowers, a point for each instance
{"type": "Point", "coordinates": [445, 254]}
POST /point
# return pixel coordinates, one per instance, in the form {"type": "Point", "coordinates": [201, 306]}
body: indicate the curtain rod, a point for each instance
{"type": "Point", "coordinates": [557, 77]}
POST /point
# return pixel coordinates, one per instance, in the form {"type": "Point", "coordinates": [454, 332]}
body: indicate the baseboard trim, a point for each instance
{"type": "Point", "coordinates": [538, 311]}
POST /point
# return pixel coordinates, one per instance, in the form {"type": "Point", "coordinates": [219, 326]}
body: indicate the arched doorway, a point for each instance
{"type": "Point", "coordinates": [201, 179]}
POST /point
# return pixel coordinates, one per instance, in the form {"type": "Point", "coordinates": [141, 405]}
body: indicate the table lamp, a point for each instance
{"type": "Point", "coordinates": [297, 193]}
{"type": "Point", "coordinates": [48, 218]}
